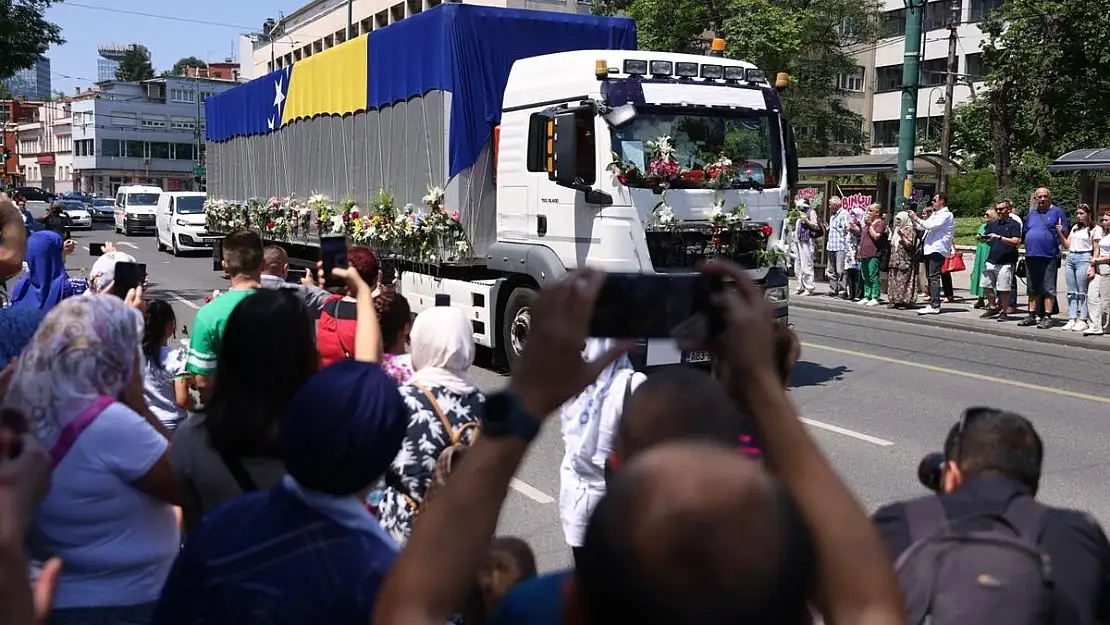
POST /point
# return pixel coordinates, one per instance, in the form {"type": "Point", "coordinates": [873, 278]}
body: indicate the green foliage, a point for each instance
{"type": "Point", "coordinates": [24, 34]}
{"type": "Point", "coordinates": [970, 193]}
{"type": "Point", "coordinates": [810, 41]}
{"type": "Point", "coordinates": [134, 66]}
{"type": "Point", "coordinates": [180, 66]}
{"type": "Point", "coordinates": [5, 93]}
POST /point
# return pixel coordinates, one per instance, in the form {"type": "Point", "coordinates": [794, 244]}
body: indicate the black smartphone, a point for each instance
{"type": "Point", "coordinates": [218, 255]}
{"type": "Point", "coordinates": [443, 299]}
{"type": "Point", "coordinates": [657, 306]}
{"type": "Point", "coordinates": [96, 249]}
{"type": "Point", "coordinates": [127, 276]}
{"type": "Point", "coordinates": [296, 275]}
{"type": "Point", "coordinates": [333, 251]}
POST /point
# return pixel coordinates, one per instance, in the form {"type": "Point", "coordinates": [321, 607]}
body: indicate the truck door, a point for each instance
{"type": "Point", "coordinates": [564, 219]}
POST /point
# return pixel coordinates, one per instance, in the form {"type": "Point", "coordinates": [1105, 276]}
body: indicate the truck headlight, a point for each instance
{"type": "Point", "coordinates": [777, 295]}
{"type": "Point", "coordinates": [182, 222]}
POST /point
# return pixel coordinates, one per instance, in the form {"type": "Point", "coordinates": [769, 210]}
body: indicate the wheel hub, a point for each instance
{"type": "Point", "coordinates": [521, 326]}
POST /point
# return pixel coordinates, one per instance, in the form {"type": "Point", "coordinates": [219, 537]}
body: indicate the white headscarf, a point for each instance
{"type": "Point", "coordinates": [104, 269]}
{"type": "Point", "coordinates": [901, 221]}
{"type": "Point", "coordinates": [442, 349]}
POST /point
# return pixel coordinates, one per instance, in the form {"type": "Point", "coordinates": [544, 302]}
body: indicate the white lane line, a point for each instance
{"type": "Point", "coordinates": [127, 244]}
{"type": "Point", "coordinates": [531, 492]}
{"type": "Point", "coordinates": [182, 300]}
{"type": "Point", "coordinates": [867, 438]}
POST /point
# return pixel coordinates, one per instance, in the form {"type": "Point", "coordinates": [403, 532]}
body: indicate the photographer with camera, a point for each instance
{"type": "Point", "coordinates": [983, 550]}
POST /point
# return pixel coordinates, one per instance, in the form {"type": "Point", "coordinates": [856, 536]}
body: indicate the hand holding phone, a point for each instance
{"type": "Point", "coordinates": [127, 276]}
{"type": "Point", "coordinates": [333, 253]}
{"type": "Point", "coordinates": [96, 249]}
{"type": "Point", "coordinates": [657, 306]}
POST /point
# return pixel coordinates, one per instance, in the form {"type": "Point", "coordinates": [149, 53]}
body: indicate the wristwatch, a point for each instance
{"type": "Point", "coordinates": [505, 416]}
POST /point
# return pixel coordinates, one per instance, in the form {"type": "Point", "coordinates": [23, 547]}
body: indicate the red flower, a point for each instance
{"type": "Point", "coordinates": [270, 225]}
{"type": "Point", "coordinates": [766, 229]}
{"type": "Point", "coordinates": [623, 179]}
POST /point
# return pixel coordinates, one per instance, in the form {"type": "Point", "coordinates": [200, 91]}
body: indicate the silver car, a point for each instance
{"type": "Point", "coordinates": [78, 214]}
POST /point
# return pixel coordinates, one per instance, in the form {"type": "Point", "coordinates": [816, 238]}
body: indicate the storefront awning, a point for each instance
{"type": "Point", "coordinates": [933, 164]}
{"type": "Point", "coordinates": [1087, 159]}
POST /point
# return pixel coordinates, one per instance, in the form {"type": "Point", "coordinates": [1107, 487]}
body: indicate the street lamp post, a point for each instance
{"type": "Point", "coordinates": [929, 110]}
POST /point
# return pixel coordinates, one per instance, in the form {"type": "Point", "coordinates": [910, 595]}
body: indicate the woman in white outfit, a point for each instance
{"type": "Point", "coordinates": [1099, 272]}
{"type": "Point", "coordinates": [804, 229]}
{"type": "Point", "coordinates": [589, 429]}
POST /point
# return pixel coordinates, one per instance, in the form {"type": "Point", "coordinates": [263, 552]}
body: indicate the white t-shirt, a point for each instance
{"type": "Point", "coordinates": [1082, 239]}
{"type": "Point", "coordinates": [1104, 246]}
{"type": "Point", "coordinates": [117, 544]}
{"type": "Point", "coordinates": [158, 386]}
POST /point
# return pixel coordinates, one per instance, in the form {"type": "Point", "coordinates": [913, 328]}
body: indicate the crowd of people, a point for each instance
{"type": "Point", "coordinates": [918, 255]}
{"type": "Point", "coordinates": [319, 457]}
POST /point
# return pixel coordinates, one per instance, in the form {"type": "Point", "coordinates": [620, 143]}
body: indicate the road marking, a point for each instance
{"type": "Point", "coordinates": [867, 438]}
{"type": "Point", "coordinates": [965, 374]}
{"type": "Point", "coordinates": [182, 300]}
{"type": "Point", "coordinates": [127, 244]}
{"type": "Point", "coordinates": [531, 492]}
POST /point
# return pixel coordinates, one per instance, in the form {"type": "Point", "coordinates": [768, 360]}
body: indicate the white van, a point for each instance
{"type": "Point", "coordinates": [135, 206]}
{"type": "Point", "coordinates": [180, 222]}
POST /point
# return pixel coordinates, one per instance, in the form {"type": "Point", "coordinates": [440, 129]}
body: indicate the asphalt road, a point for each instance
{"type": "Point", "coordinates": [878, 394]}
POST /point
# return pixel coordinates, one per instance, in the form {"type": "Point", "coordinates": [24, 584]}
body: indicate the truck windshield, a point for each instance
{"type": "Point", "coordinates": [708, 149]}
{"type": "Point", "coordinates": [190, 205]}
{"type": "Point", "coordinates": [142, 199]}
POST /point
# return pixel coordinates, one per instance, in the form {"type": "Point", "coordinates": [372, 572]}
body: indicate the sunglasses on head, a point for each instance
{"type": "Point", "coordinates": [966, 417]}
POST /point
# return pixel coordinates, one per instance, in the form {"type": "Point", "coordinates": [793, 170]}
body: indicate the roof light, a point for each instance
{"type": "Point", "coordinates": [635, 67]}
{"type": "Point", "coordinates": [718, 45]}
{"type": "Point", "coordinates": [601, 69]}
{"type": "Point", "coordinates": [734, 73]}
{"type": "Point", "coordinates": [661, 68]}
{"type": "Point", "coordinates": [782, 81]}
{"type": "Point", "coordinates": [714, 72]}
{"type": "Point", "coordinates": [686, 69]}
{"type": "Point", "coordinates": [756, 75]}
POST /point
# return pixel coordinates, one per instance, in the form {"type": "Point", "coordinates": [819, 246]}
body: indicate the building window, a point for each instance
{"type": "Point", "coordinates": [939, 14]}
{"type": "Point", "coordinates": [180, 124]}
{"type": "Point", "coordinates": [154, 122]}
{"type": "Point", "coordinates": [134, 149]}
{"type": "Point", "coordinates": [933, 72]}
{"type": "Point", "coordinates": [894, 23]}
{"type": "Point", "coordinates": [83, 147]}
{"type": "Point", "coordinates": [159, 149]}
{"type": "Point", "coordinates": [974, 68]}
{"type": "Point", "coordinates": [124, 119]}
{"type": "Point", "coordinates": [888, 78]}
{"type": "Point", "coordinates": [979, 9]}
{"type": "Point", "coordinates": [852, 81]}
{"type": "Point", "coordinates": [884, 134]}
{"type": "Point", "coordinates": [184, 96]}
{"type": "Point", "coordinates": [184, 152]}
{"type": "Point", "coordinates": [111, 147]}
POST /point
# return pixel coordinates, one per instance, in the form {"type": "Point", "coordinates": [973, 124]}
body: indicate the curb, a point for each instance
{"type": "Point", "coordinates": [1036, 336]}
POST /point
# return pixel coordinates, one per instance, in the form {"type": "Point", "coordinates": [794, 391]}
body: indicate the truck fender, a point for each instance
{"type": "Point", "coordinates": [539, 262]}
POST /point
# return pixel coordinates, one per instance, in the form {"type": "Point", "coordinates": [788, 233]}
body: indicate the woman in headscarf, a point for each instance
{"type": "Point", "coordinates": [589, 427]}
{"type": "Point", "coordinates": [982, 250]}
{"type": "Point", "coordinates": [305, 551]}
{"type": "Point", "coordinates": [46, 282]}
{"type": "Point", "coordinates": [445, 409]}
{"type": "Point", "coordinates": [901, 282]}
{"type": "Point", "coordinates": [109, 513]}
{"type": "Point", "coordinates": [17, 326]}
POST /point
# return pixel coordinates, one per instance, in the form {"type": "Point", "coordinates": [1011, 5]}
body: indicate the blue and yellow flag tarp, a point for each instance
{"type": "Point", "coordinates": [463, 49]}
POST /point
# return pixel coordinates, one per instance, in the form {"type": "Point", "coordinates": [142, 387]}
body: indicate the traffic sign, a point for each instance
{"type": "Point", "coordinates": [198, 171]}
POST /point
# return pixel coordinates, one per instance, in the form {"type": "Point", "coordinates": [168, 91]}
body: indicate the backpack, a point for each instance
{"type": "Point", "coordinates": [448, 459]}
{"type": "Point", "coordinates": [953, 575]}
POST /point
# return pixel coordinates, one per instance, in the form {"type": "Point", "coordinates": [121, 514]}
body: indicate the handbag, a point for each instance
{"type": "Point", "coordinates": [953, 263]}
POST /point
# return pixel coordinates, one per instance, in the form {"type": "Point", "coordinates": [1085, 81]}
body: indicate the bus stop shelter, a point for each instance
{"type": "Point", "coordinates": [1093, 166]}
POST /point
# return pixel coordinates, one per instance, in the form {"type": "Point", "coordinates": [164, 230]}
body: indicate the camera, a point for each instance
{"type": "Point", "coordinates": [930, 471]}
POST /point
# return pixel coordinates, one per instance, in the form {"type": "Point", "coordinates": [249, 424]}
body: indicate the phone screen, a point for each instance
{"type": "Point", "coordinates": [656, 306]}
{"type": "Point", "coordinates": [96, 249]}
{"type": "Point", "coordinates": [127, 276]}
{"type": "Point", "coordinates": [333, 251]}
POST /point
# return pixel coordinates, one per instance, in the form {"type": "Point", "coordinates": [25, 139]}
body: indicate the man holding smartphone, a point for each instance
{"type": "Point", "coordinates": [1003, 235]}
{"type": "Point", "coordinates": [275, 275]}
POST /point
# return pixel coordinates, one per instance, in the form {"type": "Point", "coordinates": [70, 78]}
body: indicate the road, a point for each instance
{"type": "Point", "coordinates": [878, 394]}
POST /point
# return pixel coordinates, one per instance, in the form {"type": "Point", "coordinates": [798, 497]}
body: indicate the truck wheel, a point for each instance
{"type": "Point", "coordinates": [517, 323]}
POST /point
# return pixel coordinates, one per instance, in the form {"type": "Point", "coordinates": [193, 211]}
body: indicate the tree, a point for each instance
{"type": "Point", "coordinates": [5, 93]}
{"type": "Point", "coordinates": [189, 61]}
{"type": "Point", "coordinates": [134, 66]}
{"type": "Point", "coordinates": [813, 42]}
{"type": "Point", "coordinates": [25, 34]}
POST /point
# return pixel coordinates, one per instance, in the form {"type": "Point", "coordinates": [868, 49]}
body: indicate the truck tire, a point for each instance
{"type": "Point", "coordinates": [517, 323]}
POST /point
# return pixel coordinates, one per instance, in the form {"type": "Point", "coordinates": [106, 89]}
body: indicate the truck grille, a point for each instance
{"type": "Point", "coordinates": [686, 247]}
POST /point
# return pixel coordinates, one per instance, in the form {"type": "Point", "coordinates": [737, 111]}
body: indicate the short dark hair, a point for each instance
{"type": "Point", "coordinates": [1006, 203]}
{"type": "Point", "coordinates": [243, 252]}
{"type": "Point", "coordinates": [393, 314]}
{"type": "Point", "coordinates": [942, 197]}
{"type": "Point", "coordinates": [274, 257]}
{"type": "Point", "coordinates": [989, 440]}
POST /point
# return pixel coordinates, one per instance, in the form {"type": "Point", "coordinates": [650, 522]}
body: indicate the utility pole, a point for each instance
{"type": "Point", "coordinates": [196, 131]}
{"type": "Point", "coordinates": [907, 131]}
{"type": "Point", "coordinates": [949, 89]}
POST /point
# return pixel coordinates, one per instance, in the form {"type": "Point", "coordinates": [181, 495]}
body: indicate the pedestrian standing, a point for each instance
{"type": "Point", "coordinates": [872, 244]}
{"type": "Point", "coordinates": [982, 250]}
{"type": "Point", "coordinates": [1043, 230]}
{"type": "Point", "coordinates": [852, 265]}
{"type": "Point", "coordinates": [806, 230]}
{"type": "Point", "coordinates": [938, 247]}
{"type": "Point", "coordinates": [902, 277]}
{"type": "Point", "coordinates": [836, 246]}
{"type": "Point", "coordinates": [1081, 241]}
{"type": "Point", "coordinates": [1099, 272]}
{"type": "Point", "coordinates": [1003, 235]}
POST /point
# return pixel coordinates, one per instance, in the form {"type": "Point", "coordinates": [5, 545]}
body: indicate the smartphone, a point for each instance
{"type": "Point", "coordinates": [127, 276]}
{"type": "Point", "coordinates": [96, 249]}
{"type": "Point", "coordinates": [296, 275]}
{"type": "Point", "coordinates": [443, 299]}
{"type": "Point", "coordinates": [333, 251]}
{"type": "Point", "coordinates": [657, 306]}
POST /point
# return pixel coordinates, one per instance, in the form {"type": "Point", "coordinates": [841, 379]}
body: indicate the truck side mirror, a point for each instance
{"type": "Point", "coordinates": [791, 149]}
{"type": "Point", "coordinates": [562, 150]}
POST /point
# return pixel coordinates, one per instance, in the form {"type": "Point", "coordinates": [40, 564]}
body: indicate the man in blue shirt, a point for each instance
{"type": "Point", "coordinates": [1041, 233]}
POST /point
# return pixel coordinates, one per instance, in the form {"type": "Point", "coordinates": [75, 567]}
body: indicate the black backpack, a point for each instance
{"type": "Point", "coordinates": [955, 575]}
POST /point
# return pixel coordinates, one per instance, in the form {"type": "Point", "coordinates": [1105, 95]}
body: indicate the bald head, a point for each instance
{"type": "Point", "coordinates": [693, 533]}
{"type": "Point", "coordinates": [275, 261]}
{"type": "Point", "coordinates": [1043, 198]}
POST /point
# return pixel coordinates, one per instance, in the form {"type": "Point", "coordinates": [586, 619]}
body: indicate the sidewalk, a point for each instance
{"type": "Point", "coordinates": [958, 316]}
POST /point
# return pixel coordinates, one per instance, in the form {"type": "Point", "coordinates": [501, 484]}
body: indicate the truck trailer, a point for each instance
{"type": "Point", "coordinates": [484, 152]}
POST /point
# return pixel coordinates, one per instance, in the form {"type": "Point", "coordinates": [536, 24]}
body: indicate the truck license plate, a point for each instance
{"type": "Point", "coordinates": [695, 357]}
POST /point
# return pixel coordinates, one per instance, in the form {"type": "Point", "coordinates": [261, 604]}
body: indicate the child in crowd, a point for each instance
{"type": "Point", "coordinates": [165, 385]}
{"type": "Point", "coordinates": [510, 562]}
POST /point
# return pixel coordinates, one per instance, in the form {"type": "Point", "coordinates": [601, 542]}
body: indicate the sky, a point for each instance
{"type": "Point", "coordinates": [206, 29]}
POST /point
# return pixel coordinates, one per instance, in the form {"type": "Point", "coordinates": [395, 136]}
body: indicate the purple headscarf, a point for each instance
{"type": "Point", "coordinates": [44, 283]}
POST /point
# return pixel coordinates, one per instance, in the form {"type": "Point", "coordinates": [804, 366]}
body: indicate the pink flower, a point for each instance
{"type": "Point", "coordinates": [455, 215]}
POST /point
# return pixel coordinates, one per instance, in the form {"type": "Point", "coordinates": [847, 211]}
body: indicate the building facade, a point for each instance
{"type": "Point", "coordinates": [45, 146]}
{"type": "Point", "coordinates": [32, 83]}
{"type": "Point", "coordinates": [322, 24]}
{"type": "Point", "coordinates": [142, 133]}
{"type": "Point", "coordinates": [228, 70]}
{"type": "Point", "coordinates": [110, 56]}
{"type": "Point", "coordinates": [13, 113]}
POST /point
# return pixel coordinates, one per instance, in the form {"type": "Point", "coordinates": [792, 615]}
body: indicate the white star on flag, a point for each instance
{"type": "Point", "coordinates": [270, 123]}
{"type": "Point", "coordinates": [279, 97]}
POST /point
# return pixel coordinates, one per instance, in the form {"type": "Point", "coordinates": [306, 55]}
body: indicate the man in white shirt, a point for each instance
{"type": "Point", "coordinates": [939, 228]}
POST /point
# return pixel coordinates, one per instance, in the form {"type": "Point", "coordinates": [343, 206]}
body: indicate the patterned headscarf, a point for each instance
{"type": "Point", "coordinates": [17, 326]}
{"type": "Point", "coordinates": [85, 349]}
{"type": "Point", "coordinates": [343, 428]}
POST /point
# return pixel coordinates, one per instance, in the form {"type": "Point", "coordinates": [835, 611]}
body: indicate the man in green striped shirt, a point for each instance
{"type": "Point", "coordinates": [242, 260]}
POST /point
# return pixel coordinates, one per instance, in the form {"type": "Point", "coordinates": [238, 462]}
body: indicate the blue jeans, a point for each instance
{"type": "Point", "coordinates": [1075, 271]}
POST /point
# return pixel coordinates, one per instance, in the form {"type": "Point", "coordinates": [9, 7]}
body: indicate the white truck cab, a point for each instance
{"type": "Point", "coordinates": [180, 222]}
{"type": "Point", "coordinates": [134, 209]}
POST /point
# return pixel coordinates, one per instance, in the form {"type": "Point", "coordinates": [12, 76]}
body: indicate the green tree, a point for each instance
{"type": "Point", "coordinates": [5, 93]}
{"type": "Point", "coordinates": [25, 34]}
{"type": "Point", "coordinates": [813, 42]}
{"type": "Point", "coordinates": [134, 66]}
{"type": "Point", "coordinates": [187, 62]}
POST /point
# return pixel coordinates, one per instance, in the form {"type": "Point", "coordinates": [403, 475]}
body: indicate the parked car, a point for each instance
{"type": "Point", "coordinates": [78, 214]}
{"type": "Point", "coordinates": [103, 209]}
{"type": "Point", "coordinates": [35, 194]}
{"type": "Point", "coordinates": [84, 198]}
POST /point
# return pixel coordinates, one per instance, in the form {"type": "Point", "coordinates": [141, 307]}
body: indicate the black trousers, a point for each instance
{"type": "Point", "coordinates": [933, 264]}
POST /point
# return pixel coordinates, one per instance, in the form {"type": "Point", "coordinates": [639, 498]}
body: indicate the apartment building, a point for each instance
{"type": "Point", "coordinates": [45, 147]}
{"type": "Point", "coordinates": [149, 132]}
{"type": "Point", "coordinates": [13, 113]}
{"type": "Point", "coordinates": [32, 83]}
{"type": "Point", "coordinates": [322, 24]}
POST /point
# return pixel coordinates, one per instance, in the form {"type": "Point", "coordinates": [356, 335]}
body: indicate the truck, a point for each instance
{"type": "Point", "coordinates": [483, 152]}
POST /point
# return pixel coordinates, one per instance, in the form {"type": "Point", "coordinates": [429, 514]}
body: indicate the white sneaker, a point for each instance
{"type": "Point", "coordinates": [872, 302]}
{"type": "Point", "coordinates": [863, 302]}
{"type": "Point", "coordinates": [929, 310]}
{"type": "Point", "coordinates": [1079, 326]}
{"type": "Point", "coordinates": [1093, 331]}
{"type": "Point", "coordinates": [1069, 326]}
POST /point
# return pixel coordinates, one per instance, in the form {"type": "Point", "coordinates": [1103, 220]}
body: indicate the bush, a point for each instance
{"type": "Point", "coordinates": [972, 192]}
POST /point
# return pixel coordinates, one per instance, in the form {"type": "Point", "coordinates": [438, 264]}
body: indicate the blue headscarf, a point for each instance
{"type": "Point", "coordinates": [43, 285]}
{"type": "Point", "coordinates": [343, 428]}
{"type": "Point", "coordinates": [17, 327]}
